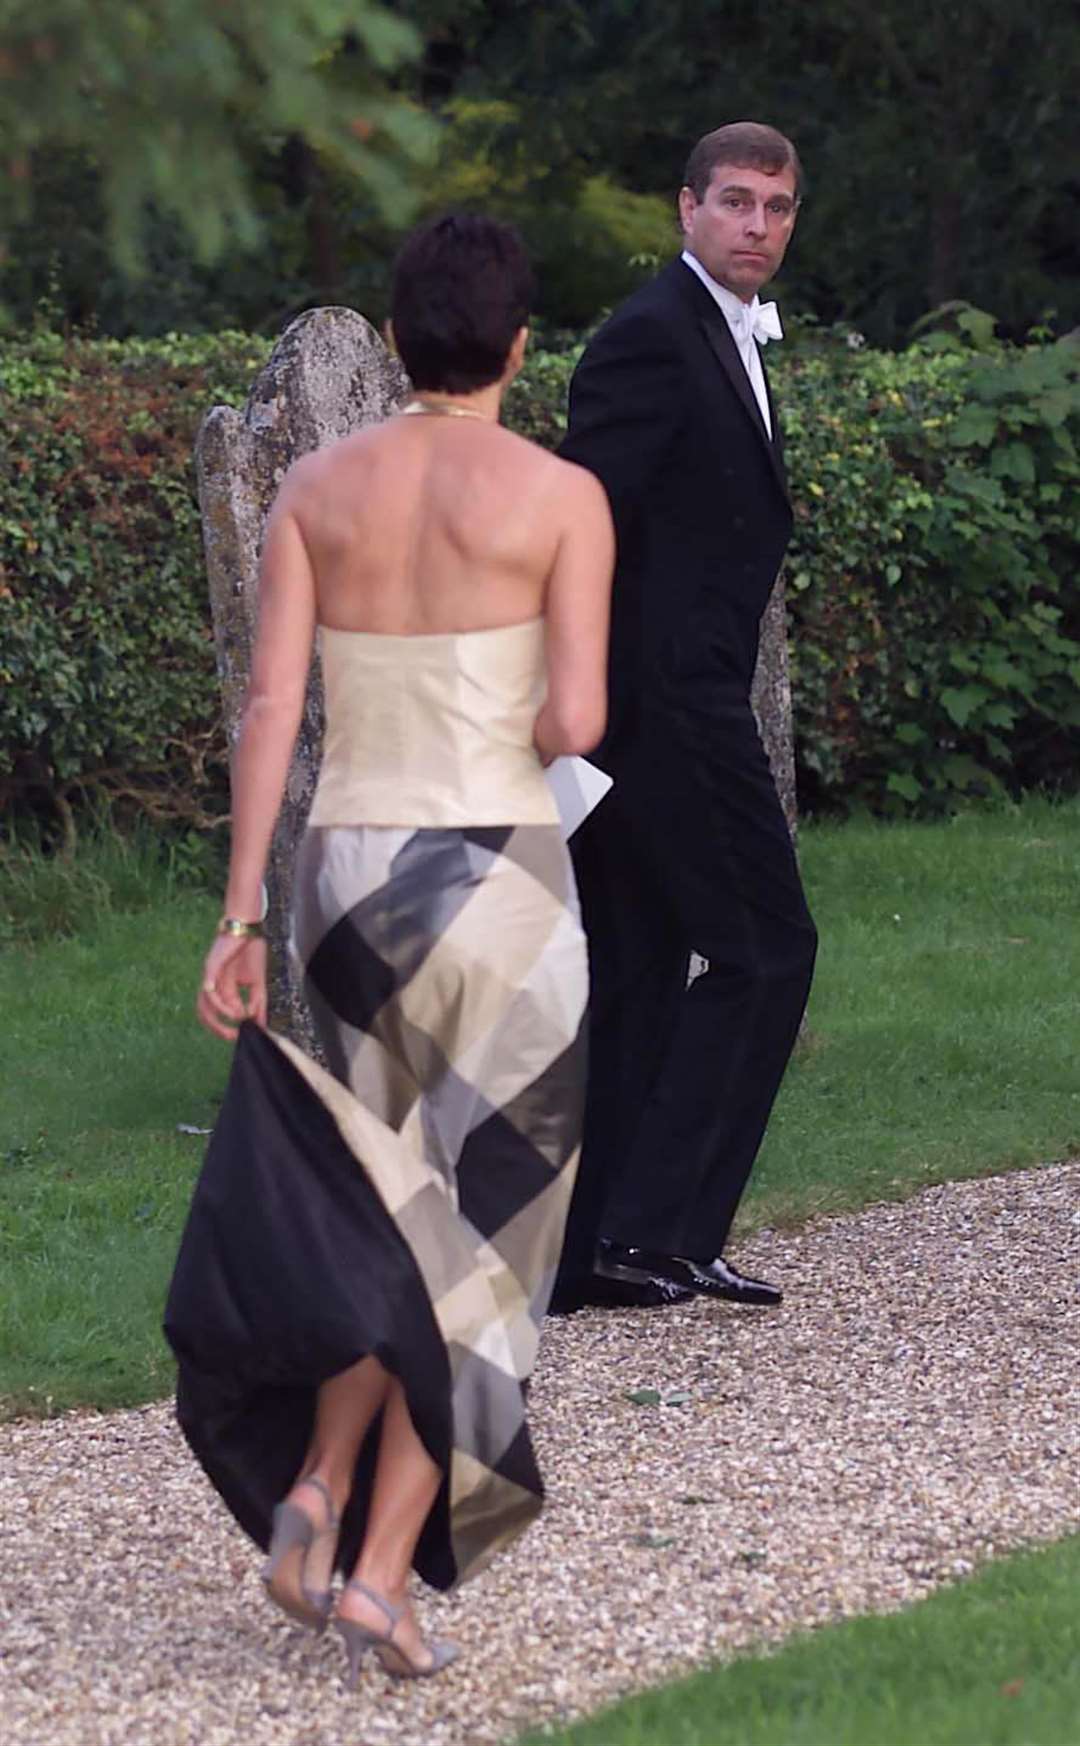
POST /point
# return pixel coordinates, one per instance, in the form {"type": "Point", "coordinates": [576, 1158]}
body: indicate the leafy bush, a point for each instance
{"type": "Point", "coordinates": [934, 617]}
{"type": "Point", "coordinates": [933, 613]}
{"type": "Point", "coordinates": [107, 681]}
{"type": "Point", "coordinates": [536, 403]}
{"type": "Point", "coordinates": [934, 623]}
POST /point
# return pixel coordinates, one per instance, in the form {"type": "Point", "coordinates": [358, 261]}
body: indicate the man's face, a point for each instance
{"type": "Point", "coordinates": [741, 230]}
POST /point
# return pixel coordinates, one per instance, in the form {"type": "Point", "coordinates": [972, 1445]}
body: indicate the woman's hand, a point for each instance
{"type": "Point", "coordinates": [543, 735]}
{"type": "Point", "coordinates": [233, 985]}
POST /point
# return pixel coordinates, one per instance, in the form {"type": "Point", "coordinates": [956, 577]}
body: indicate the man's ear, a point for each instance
{"type": "Point", "coordinates": [388, 336]}
{"type": "Point", "coordinates": [688, 205]}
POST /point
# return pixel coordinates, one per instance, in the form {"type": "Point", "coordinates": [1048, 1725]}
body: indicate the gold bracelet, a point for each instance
{"type": "Point", "coordinates": [240, 930]}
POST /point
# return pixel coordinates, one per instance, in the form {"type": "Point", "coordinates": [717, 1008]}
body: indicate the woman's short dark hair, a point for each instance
{"type": "Point", "coordinates": [462, 288]}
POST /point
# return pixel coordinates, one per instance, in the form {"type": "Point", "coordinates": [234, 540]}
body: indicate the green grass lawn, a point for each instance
{"type": "Point", "coordinates": [102, 1061]}
{"type": "Point", "coordinates": [942, 1043]}
{"type": "Point", "coordinates": [994, 1661]}
{"type": "Point", "coordinates": [944, 1022]}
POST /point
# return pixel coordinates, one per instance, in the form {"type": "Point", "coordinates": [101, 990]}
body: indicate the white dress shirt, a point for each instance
{"type": "Point", "coordinates": [749, 322]}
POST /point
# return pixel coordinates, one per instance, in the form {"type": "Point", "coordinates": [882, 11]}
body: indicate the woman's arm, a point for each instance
{"type": "Point", "coordinates": [273, 707]}
{"type": "Point", "coordinates": [577, 613]}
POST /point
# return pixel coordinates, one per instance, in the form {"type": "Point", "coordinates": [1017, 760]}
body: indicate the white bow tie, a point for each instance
{"type": "Point", "coordinates": [761, 321]}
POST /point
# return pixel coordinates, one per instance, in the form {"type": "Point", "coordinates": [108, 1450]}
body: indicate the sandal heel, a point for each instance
{"type": "Point", "coordinates": [394, 1660]}
{"type": "Point", "coordinates": [292, 1536]}
{"type": "Point", "coordinates": [358, 1640]}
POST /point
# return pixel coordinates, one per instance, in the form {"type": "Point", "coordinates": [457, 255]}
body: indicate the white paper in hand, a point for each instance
{"type": "Point", "coordinates": [578, 786]}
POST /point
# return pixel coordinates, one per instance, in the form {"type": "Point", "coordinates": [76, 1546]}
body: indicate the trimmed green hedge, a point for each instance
{"type": "Point", "coordinates": [935, 618]}
{"type": "Point", "coordinates": [932, 575]}
{"type": "Point", "coordinates": [934, 614]}
{"type": "Point", "coordinates": [107, 681]}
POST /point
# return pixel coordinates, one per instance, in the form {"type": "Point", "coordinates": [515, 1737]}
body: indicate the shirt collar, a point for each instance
{"type": "Point", "coordinates": [740, 316]}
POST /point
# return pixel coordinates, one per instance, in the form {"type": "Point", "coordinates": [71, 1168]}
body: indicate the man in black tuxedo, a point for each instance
{"type": "Point", "coordinates": [670, 408]}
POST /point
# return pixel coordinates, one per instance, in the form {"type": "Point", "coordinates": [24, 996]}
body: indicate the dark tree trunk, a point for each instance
{"type": "Point", "coordinates": [323, 253]}
{"type": "Point", "coordinates": [942, 272]}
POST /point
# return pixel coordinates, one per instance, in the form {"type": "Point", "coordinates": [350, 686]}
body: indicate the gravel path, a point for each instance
{"type": "Point", "coordinates": [912, 1410]}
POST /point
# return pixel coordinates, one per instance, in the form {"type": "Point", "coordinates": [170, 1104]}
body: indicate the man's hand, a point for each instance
{"type": "Point", "coordinates": [233, 985]}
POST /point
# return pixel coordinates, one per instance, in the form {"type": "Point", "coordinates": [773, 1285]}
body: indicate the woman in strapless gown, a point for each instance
{"type": "Point", "coordinates": [372, 1243]}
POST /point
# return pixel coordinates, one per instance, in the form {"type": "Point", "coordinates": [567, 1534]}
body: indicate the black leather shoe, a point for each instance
{"type": "Point", "coordinates": [601, 1291]}
{"type": "Point", "coordinates": [612, 1275]}
{"type": "Point", "coordinates": [707, 1278]}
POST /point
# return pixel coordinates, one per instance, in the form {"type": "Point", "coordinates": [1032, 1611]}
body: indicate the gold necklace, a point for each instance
{"type": "Point", "coordinates": [444, 409]}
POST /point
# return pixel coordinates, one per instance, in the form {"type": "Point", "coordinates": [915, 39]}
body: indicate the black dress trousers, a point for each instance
{"type": "Point", "coordinates": [690, 852]}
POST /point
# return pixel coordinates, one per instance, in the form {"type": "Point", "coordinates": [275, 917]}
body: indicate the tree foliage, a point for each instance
{"type": "Point", "coordinates": [938, 140]}
{"type": "Point", "coordinates": [942, 160]}
{"type": "Point", "coordinates": [168, 100]}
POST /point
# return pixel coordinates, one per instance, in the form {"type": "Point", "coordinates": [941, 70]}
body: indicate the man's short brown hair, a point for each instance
{"type": "Point", "coordinates": [749, 145]}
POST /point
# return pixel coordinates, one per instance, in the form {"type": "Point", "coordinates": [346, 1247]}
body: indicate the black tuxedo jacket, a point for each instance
{"type": "Point", "coordinates": [662, 411]}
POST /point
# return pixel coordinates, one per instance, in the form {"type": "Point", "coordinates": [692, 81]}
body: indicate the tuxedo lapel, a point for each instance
{"type": "Point", "coordinates": [777, 435]}
{"type": "Point", "coordinates": [719, 336]}
{"type": "Point", "coordinates": [698, 306]}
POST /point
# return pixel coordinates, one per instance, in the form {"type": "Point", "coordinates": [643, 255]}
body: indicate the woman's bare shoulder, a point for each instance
{"type": "Point", "coordinates": [581, 491]}
{"type": "Point", "coordinates": [560, 475]}
{"type": "Point", "coordinates": [574, 477]}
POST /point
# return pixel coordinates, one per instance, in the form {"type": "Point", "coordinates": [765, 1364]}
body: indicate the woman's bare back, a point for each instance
{"type": "Point", "coordinates": [432, 524]}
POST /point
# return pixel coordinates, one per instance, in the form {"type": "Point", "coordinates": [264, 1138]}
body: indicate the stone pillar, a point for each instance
{"type": "Point", "coordinates": [328, 375]}
{"type": "Point", "coordinates": [771, 698]}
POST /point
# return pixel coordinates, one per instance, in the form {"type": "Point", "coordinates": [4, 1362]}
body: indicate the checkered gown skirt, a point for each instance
{"type": "Point", "coordinates": [409, 1202]}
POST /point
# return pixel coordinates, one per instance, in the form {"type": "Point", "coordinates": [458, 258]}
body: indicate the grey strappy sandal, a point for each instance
{"type": "Point", "coordinates": [293, 1536]}
{"type": "Point", "coordinates": [397, 1663]}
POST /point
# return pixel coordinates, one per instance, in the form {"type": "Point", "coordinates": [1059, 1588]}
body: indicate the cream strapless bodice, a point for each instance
{"type": "Point", "coordinates": [433, 730]}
